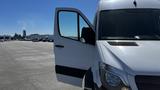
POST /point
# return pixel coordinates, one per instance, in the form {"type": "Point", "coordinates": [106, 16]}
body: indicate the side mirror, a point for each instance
{"type": "Point", "coordinates": [88, 35]}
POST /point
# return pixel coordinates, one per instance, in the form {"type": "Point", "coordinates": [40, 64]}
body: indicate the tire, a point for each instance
{"type": "Point", "coordinates": [88, 81]}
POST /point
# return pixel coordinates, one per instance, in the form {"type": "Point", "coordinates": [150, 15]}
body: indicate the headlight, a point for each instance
{"type": "Point", "coordinates": [110, 79]}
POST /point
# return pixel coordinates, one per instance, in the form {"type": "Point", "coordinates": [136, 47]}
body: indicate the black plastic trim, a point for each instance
{"type": "Point", "coordinates": [69, 71]}
{"type": "Point", "coordinates": [147, 82]}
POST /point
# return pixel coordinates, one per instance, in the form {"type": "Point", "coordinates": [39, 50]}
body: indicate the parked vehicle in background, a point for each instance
{"type": "Point", "coordinates": [35, 40]}
{"type": "Point", "coordinates": [1, 40]}
{"type": "Point", "coordinates": [119, 52]}
{"type": "Point", "coordinates": [44, 39]}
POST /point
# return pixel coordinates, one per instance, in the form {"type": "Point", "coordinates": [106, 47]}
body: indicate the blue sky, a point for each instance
{"type": "Point", "coordinates": [37, 16]}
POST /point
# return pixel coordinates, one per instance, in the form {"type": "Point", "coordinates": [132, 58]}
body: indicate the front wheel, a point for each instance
{"type": "Point", "coordinates": [88, 81]}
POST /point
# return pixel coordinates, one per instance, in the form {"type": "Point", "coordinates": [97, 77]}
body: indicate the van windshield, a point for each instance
{"type": "Point", "coordinates": [130, 24]}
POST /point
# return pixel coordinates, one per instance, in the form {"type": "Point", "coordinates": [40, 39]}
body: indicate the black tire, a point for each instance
{"type": "Point", "coordinates": [88, 81]}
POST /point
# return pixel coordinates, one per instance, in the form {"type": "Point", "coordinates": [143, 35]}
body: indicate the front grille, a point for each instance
{"type": "Point", "coordinates": [148, 82]}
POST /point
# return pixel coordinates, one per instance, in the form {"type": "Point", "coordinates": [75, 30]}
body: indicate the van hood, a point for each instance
{"type": "Point", "coordinates": [136, 57]}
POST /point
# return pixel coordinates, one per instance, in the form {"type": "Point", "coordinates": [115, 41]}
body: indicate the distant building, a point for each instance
{"type": "Point", "coordinates": [24, 34]}
{"type": "Point", "coordinates": [17, 37]}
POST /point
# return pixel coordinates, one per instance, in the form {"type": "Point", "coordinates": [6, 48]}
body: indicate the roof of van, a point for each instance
{"type": "Point", "coordinates": [126, 4]}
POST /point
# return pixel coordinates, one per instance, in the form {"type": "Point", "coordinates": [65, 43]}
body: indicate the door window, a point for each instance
{"type": "Point", "coordinates": [73, 26]}
{"type": "Point", "coordinates": [68, 24]}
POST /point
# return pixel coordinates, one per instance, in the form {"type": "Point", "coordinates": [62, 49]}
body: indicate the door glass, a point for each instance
{"type": "Point", "coordinates": [68, 24]}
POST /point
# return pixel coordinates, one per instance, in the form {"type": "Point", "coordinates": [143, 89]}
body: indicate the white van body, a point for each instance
{"type": "Point", "coordinates": [121, 59]}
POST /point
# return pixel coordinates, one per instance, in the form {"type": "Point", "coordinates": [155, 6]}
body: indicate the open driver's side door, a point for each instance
{"type": "Point", "coordinates": [73, 45]}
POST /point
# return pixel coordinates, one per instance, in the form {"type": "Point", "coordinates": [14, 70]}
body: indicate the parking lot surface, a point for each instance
{"type": "Point", "coordinates": [28, 66]}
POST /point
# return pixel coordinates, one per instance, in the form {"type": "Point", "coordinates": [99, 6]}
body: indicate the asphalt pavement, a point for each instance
{"type": "Point", "coordinates": [26, 65]}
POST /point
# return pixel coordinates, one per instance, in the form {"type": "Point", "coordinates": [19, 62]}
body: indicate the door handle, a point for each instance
{"type": "Point", "coordinates": [59, 46]}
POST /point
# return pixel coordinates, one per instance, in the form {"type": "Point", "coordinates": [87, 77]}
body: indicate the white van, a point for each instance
{"type": "Point", "coordinates": [120, 51]}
